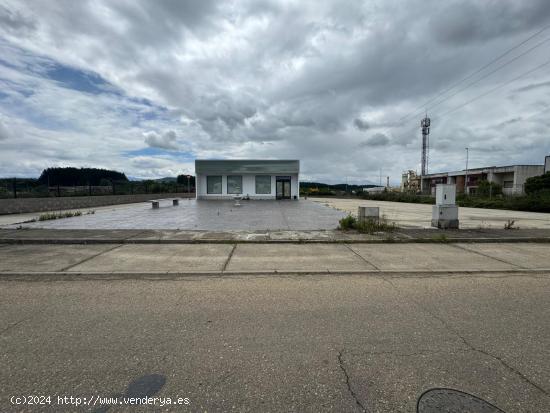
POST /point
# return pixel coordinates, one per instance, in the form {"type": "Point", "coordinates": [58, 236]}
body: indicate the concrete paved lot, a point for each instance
{"type": "Point", "coordinates": [419, 215]}
{"type": "Point", "coordinates": [303, 343]}
{"type": "Point", "coordinates": [242, 258]}
{"type": "Point", "coordinates": [201, 215]}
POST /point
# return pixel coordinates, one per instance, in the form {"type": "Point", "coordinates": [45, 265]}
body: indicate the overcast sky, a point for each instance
{"type": "Point", "coordinates": [146, 87]}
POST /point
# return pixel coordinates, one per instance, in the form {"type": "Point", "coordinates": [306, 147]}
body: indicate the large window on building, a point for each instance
{"type": "Point", "coordinates": [234, 184]}
{"type": "Point", "coordinates": [213, 184]}
{"type": "Point", "coordinates": [263, 184]}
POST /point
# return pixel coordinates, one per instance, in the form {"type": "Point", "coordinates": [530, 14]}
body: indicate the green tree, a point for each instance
{"type": "Point", "coordinates": [537, 183]}
{"type": "Point", "coordinates": [486, 188]}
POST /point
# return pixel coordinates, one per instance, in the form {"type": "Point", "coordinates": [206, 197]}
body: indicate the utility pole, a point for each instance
{"type": "Point", "coordinates": [466, 174]}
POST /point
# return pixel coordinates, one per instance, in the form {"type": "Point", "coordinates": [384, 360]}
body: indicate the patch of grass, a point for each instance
{"type": "Point", "coordinates": [368, 226]}
{"type": "Point", "coordinates": [347, 223]}
{"type": "Point", "coordinates": [440, 238]}
{"type": "Point", "coordinates": [58, 215]}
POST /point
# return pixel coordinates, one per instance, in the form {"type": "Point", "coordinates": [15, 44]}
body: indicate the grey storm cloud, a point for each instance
{"type": "Point", "coordinates": [361, 124]}
{"type": "Point", "coordinates": [4, 133]}
{"type": "Point", "coordinates": [270, 78]}
{"type": "Point", "coordinates": [378, 139]}
{"type": "Point", "coordinates": [167, 140]}
{"type": "Point", "coordinates": [14, 21]}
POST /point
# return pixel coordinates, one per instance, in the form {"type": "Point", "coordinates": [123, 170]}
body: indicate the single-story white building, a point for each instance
{"type": "Point", "coordinates": [249, 178]}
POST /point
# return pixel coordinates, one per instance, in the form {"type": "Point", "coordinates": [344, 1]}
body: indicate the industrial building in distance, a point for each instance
{"type": "Point", "coordinates": [511, 178]}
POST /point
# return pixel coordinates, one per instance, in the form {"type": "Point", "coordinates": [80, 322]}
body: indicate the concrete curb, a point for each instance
{"type": "Point", "coordinates": [39, 276]}
{"type": "Point", "coordinates": [67, 241]}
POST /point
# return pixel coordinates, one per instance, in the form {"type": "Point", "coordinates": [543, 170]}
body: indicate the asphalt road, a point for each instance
{"type": "Point", "coordinates": [285, 343]}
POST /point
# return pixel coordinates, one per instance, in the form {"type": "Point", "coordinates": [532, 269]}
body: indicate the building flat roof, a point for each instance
{"type": "Point", "coordinates": [247, 166]}
{"type": "Point", "coordinates": [476, 170]}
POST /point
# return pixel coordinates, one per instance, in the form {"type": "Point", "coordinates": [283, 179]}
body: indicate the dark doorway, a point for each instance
{"type": "Point", "coordinates": [282, 187]}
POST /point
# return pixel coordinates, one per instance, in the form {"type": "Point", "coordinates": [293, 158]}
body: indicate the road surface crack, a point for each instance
{"type": "Point", "coordinates": [348, 383]}
{"type": "Point", "coordinates": [11, 326]}
{"type": "Point", "coordinates": [474, 348]}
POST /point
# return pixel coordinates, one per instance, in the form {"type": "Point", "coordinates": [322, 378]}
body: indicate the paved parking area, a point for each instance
{"type": "Point", "coordinates": [407, 215]}
{"type": "Point", "coordinates": [191, 214]}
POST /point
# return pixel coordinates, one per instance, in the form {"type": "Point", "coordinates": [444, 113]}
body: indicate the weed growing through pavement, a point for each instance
{"type": "Point", "coordinates": [58, 215]}
{"type": "Point", "coordinates": [368, 226]}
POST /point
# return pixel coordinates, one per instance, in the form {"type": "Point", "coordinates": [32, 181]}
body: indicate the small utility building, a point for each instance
{"type": "Point", "coordinates": [249, 178]}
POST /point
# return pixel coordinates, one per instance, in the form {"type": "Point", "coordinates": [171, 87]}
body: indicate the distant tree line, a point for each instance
{"type": "Point", "coordinates": [70, 176]}
{"type": "Point", "coordinates": [319, 188]}
{"type": "Point", "coordinates": [182, 180]}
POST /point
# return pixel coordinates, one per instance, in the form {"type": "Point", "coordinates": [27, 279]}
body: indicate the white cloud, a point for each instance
{"type": "Point", "coordinates": [167, 140]}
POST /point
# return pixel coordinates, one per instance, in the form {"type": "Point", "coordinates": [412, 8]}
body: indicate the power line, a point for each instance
{"type": "Point", "coordinates": [491, 72]}
{"type": "Point", "coordinates": [537, 113]}
{"type": "Point", "coordinates": [484, 76]}
{"type": "Point", "coordinates": [507, 52]}
{"type": "Point", "coordinates": [476, 72]}
{"type": "Point", "coordinates": [495, 88]}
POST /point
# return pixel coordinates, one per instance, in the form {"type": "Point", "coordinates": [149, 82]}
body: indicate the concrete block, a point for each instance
{"type": "Point", "coordinates": [445, 194]}
{"type": "Point", "coordinates": [368, 213]}
{"type": "Point", "coordinates": [155, 204]}
{"type": "Point", "coordinates": [445, 216]}
{"type": "Point", "coordinates": [175, 202]}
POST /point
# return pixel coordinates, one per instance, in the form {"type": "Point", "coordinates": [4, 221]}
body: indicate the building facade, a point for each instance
{"type": "Point", "coordinates": [247, 178]}
{"type": "Point", "coordinates": [511, 178]}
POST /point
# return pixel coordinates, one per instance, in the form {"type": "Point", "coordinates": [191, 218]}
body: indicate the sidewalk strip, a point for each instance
{"type": "Point", "coordinates": [91, 257]}
{"type": "Point", "coordinates": [362, 258]}
{"type": "Point", "coordinates": [488, 256]}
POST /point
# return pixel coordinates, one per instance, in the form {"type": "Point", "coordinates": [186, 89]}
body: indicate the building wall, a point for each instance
{"type": "Point", "coordinates": [249, 187]}
{"type": "Point", "coordinates": [522, 172]}
{"type": "Point", "coordinates": [511, 178]}
{"type": "Point", "coordinates": [27, 205]}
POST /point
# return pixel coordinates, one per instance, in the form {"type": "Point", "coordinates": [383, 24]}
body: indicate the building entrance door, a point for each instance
{"type": "Point", "coordinates": [283, 187]}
